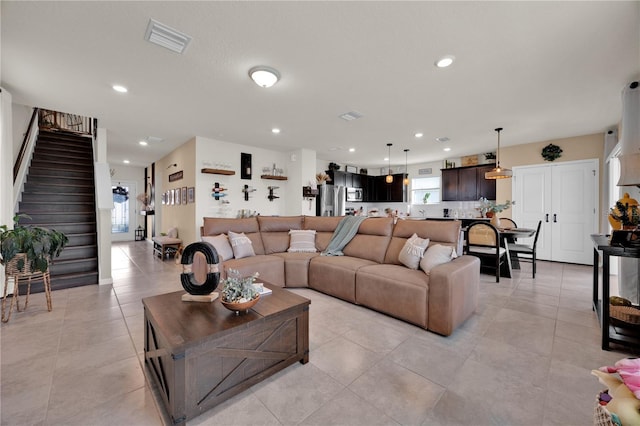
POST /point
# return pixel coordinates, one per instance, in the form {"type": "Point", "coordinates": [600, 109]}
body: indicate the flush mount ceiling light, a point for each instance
{"type": "Point", "coordinates": [120, 89]}
{"type": "Point", "coordinates": [498, 172]}
{"type": "Point", "coordinates": [389, 178]}
{"type": "Point", "coordinates": [264, 76]}
{"type": "Point", "coordinates": [406, 169]}
{"type": "Point", "coordinates": [445, 61]}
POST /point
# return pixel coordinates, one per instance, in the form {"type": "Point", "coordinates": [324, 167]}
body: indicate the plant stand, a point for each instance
{"type": "Point", "coordinates": [14, 273]}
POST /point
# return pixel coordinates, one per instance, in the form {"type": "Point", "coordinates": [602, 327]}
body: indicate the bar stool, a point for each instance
{"type": "Point", "coordinates": [12, 271]}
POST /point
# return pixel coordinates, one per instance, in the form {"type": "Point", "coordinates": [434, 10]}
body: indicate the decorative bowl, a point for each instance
{"type": "Point", "coordinates": [240, 307]}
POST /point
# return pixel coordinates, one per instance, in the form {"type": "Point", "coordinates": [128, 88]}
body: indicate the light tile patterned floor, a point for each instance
{"type": "Point", "coordinates": [523, 359]}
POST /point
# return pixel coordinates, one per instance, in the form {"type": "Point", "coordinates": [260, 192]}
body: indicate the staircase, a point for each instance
{"type": "Point", "coordinates": [59, 193]}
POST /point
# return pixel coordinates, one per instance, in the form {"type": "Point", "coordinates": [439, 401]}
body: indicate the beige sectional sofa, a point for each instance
{"type": "Point", "coordinates": [369, 273]}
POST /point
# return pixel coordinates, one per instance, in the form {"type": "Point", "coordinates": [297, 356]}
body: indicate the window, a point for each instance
{"type": "Point", "coordinates": [420, 187]}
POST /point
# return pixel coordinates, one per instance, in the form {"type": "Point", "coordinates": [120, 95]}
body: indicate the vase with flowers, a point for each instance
{"type": "Point", "coordinates": [489, 209]}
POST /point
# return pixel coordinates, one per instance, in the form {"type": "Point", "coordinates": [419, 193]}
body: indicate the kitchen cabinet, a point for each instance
{"type": "Point", "coordinates": [467, 183]}
{"type": "Point", "coordinates": [375, 188]}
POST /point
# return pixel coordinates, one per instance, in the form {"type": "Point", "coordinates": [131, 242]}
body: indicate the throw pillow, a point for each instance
{"type": "Point", "coordinates": [437, 255]}
{"type": "Point", "coordinates": [172, 233]}
{"type": "Point", "coordinates": [413, 251]}
{"type": "Point", "coordinates": [221, 244]}
{"type": "Point", "coordinates": [241, 245]}
{"type": "Point", "coordinates": [302, 241]}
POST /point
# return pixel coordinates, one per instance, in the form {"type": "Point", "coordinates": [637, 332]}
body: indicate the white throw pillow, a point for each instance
{"type": "Point", "coordinates": [302, 241]}
{"type": "Point", "coordinates": [172, 233]}
{"type": "Point", "coordinates": [221, 244]}
{"type": "Point", "coordinates": [413, 251]}
{"type": "Point", "coordinates": [241, 245]}
{"type": "Point", "coordinates": [437, 255]}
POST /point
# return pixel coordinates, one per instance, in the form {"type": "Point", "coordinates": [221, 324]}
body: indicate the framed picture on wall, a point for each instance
{"type": "Point", "coordinates": [178, 199]}
{"type": "Point", "coordinates": [184, 195]}
{"type": "Point", "coordinates": [191, 195]}
{"type": "Point", "coordinates": [164, 198]}
{"type": "Point", "coordinates": [172, 196]}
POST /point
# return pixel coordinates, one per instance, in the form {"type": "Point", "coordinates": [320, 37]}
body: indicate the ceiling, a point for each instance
{"type": "Point", "coordinates": [541, 70]}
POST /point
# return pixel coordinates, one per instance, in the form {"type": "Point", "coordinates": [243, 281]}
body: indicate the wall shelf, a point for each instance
{"type": "Point", "coordinates": [218, 172]}
{"type": "Point", "coordinates": [272, 177]}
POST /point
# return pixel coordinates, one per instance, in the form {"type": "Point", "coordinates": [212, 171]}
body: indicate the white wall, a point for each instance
{"type": "Point", "coordinates": [20, 119]}
{"type": "Point", "coordinates": [211, 151]}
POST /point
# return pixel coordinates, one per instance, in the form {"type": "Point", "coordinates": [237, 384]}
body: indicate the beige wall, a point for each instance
{"type": "Point", "coordinates": [575, 148]}
{"type": "Point", "coordinates": [181, 216]}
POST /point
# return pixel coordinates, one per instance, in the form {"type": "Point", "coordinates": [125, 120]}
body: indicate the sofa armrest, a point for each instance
{"type": "Point", "coordinates": [453, 293]}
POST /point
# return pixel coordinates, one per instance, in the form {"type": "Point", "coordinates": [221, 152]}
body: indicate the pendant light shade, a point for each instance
{"type": "Point", "coordinates": [498, 172]}
{"type": "Point", "coordinates": [406, 169]}
{"type": "Point", "coordinates": [389, 178]}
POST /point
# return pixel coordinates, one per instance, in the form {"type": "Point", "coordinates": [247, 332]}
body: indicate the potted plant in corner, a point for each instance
{"type": "Point", "coordinates": [39, 245]}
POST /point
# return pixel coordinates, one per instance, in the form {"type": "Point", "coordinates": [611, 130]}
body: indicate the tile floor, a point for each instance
{"type": "Point", "coordinates": [523, 359]}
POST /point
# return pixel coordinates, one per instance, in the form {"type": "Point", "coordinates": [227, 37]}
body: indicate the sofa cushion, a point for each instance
{"type": "Point", "coordinates": [438, 231]}
{"type": "Point", "coordinates": [324, 227]}
{"type": "Point", "coordinates": [394, 290]}
{"type": "Point", "coordinates": [372, 239]}
{"type": "Point", "coordinates": [274, 231]}
{"type": "Point", "coordinates": [437, 255]}
{"type": "Point", "coordinates": [296, 268]}
{"type": "Point", "coordinates": [221, 244]}
{"type": "Point", "coordinates": [302, 241]}
{"type": "Point", "coordinates": [413, 251]}
{"type": "Point", "coordinates": [270, 268]}
{"type": "Point", "coordinates": [241, 245]}
{"type": "Point", "coordinates": [248, 226]}
{"type": "Point", "coordinates": [336, 275]}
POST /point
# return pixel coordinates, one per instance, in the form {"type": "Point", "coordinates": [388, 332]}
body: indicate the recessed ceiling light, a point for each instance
{"type": "Point", "coordinates": [143, 143]}
{"type": "Point", "coordinates": [386, 158]}
{"type": "Point", "coordinates": [442, 139]}
{"type": "Point", "coordinates": [264, 76]}
{"type": "Point", "coordinates": [445, 61]}
{"type": "Point", "coordinates": [351, 115]}
{"type": "Point", "coordinates": [447, 149]}
{"type": "Point", "coordinates": [352, 150]}
{"type": "Point", "coordinates": [275, 130]}
{"type": "Point", "coordinates": [419, 135]}
{"type": "Point", "coordinates": [119, 88]}
{"type": "Point", "coordinates": [126, 161]}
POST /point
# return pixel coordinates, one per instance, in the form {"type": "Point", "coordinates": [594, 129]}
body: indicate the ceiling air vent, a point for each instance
{"type": "Point", "coordinates": [350, 116]}
{"type": "Point", "coordinates": [166, 37]}
{"type": "Point", "coordinates": [153, 139]}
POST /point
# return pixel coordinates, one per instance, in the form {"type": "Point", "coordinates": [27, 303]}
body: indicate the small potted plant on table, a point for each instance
{"type": "Point", "coordinates": [239, 293]}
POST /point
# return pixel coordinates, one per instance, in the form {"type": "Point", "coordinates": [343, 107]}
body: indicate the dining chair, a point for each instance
{"type": "Point", "coordinates": [505, 222]}
{"type": "Point", "coordinates": [528, 251]}
{"type": "Point", "coordinates": [483, 241]}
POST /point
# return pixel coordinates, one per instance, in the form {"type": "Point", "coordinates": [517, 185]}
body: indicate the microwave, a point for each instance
{"type": "Point", "coordinates": [355, 194]}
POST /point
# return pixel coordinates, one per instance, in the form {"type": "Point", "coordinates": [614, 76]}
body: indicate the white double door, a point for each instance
{"type": "Point", "coordinates": [564, 196]}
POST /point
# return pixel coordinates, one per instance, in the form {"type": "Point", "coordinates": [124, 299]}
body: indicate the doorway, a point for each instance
{"type": "Point", "coordinates": [565, 197]}
{"type": "Point", "coordinates": [123, 214]}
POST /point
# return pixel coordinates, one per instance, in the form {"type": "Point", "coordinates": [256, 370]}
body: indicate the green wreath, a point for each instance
{"type": "Point", "coordinates": [551, 152]}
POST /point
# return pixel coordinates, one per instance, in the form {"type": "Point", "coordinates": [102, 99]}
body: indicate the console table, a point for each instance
{"type": "Point", "coordinates": [601, 243]}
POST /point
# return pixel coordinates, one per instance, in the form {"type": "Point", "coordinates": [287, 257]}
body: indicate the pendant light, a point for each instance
{"type": "Point", "coordinates": [389, 178]}
{"type": "Point", "coordinates": [406, 169]}
{"type": "Point", "coordinates": [498, 172]}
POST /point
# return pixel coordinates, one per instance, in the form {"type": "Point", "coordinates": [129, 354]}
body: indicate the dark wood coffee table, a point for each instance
{"type": "Point", "coordinates": [200, 354]}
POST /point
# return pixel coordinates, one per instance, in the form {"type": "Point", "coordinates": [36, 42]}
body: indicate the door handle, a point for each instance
{"type": "Point", "coordinates": [555, 219]}
{"type": "Point", "coordinates": [546, 217]}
